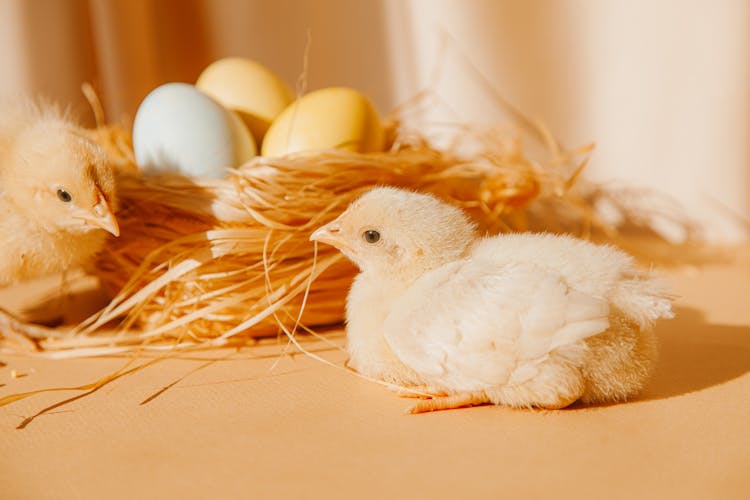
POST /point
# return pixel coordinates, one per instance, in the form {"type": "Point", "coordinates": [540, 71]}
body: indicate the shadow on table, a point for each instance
{"type": "Point", "coordinates": [696, 355]}
{"type": "Point", "coordinates": [66, 309]}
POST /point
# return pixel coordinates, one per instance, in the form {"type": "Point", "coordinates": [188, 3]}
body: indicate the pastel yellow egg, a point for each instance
{"type": "Point", "coordinates": [248, 88]}
{"type": "Point", "coordinates": [330, 118]}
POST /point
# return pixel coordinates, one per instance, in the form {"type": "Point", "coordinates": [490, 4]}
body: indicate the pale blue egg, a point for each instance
{"type": "Point", "coordinates": [180, 129]}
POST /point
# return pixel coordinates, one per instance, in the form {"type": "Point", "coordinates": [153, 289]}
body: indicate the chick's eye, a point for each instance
{"type": "Point", "coordinates": [64, 196]}
{"type": "Point", "coordinates": [371, 236]}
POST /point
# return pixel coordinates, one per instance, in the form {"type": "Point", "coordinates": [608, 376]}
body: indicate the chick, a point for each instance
{"type": "Point", "coordinates": [56, 194]}
{"type": "Point", "coordinates": [522, 320]}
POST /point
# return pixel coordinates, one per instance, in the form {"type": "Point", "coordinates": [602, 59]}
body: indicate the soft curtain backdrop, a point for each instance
{"type": "Point", "coordinates": [662, 86]}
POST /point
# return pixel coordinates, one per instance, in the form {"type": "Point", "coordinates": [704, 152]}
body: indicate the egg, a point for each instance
{"type": "Point", "coordinates": [180, 129]}
{"type": "Point", "coordinates": [250, 89]}
{"type": "Point", "coordinates": [334, 117]}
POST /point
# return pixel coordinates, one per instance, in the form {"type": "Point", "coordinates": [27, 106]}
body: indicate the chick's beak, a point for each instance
{"type": "Point", "coordinates": [101, 216]}
{"type": "Point", "coordinates": [330, 234]}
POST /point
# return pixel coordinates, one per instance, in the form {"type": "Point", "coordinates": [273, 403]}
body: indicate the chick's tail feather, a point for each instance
{"type": "Point", "coordinates": [644, 299]}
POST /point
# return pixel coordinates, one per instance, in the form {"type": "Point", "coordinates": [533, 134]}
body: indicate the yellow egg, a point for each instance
{"type": "Point", "coordinates": [250, 89]}
{"type": "Point", "coordinates": [335, 117]}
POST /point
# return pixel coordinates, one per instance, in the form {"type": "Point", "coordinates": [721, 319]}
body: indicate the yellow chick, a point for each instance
{"type": "Point", "coordinates": [57, 192]}
{"type": "Point", "coordinates": [522, 320]}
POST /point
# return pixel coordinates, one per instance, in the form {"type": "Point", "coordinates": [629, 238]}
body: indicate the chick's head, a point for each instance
{"type": "Point", "coordinates": [61, 179]}
{"type": "Point", "coordinates": [399, 232]}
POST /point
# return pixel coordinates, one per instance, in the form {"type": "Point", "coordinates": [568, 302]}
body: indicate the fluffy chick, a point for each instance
{"type": "Point", "coordinates": [57, 192]}
{"type": "Point", "coordinates": [523, 320]}
{"type": "Point", "coordinates": [57, 195]}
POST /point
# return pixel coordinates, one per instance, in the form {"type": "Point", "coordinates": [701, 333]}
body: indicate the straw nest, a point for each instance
{"type": "Point", "coordinates": [213, 262]}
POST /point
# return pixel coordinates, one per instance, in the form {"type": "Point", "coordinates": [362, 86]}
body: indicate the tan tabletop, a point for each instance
{"type": "Point", "coordinates": [254, 425]}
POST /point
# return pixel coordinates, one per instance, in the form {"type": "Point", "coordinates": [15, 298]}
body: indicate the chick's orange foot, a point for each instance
{"type": "Point", "coordinates": [418, 392]}
{"type": "Point", "coordinates": [453, 401]}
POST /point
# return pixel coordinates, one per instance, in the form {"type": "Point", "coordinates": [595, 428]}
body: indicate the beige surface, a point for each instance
{"type": "Point", "coordinates": [244, 428]}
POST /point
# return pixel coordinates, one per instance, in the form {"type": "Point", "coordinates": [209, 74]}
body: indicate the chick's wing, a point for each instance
{"type": "Point", "coordinates": [471, 325]}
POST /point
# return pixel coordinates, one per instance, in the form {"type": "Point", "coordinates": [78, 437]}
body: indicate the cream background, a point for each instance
{"type": "Point", "coordinates": [662, 86]}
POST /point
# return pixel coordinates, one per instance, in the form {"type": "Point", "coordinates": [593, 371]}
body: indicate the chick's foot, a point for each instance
{"type": "Point", "coordinates": [418, 392]}
{"type": "Point", "coordinates": [449, 402]}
